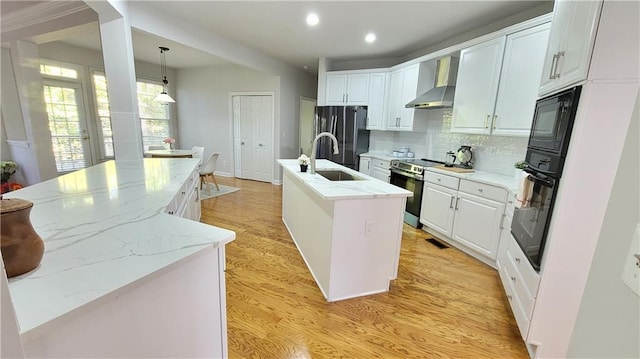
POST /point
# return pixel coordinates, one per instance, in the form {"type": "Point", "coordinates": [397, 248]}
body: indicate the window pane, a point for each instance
{"type": "Point", "coordinates": [154, 116]}
{"type": "Point", "coordinates": [57, 71]}
{"type": "Point", "coordinates": [104, 115]}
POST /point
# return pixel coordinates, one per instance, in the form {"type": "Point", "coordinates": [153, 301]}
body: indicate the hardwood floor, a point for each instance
{"type": "Point", "coordinates": [444, 304]}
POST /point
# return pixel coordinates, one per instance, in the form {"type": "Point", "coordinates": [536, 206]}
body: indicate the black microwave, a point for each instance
{"type": "Point", "coordinates": [553, 121]}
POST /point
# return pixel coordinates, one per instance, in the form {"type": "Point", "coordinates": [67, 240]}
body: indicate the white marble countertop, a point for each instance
{"type": "Point", "coordinates": [105, 232]}
{"type": "Point", "coordinates": [368, 187]}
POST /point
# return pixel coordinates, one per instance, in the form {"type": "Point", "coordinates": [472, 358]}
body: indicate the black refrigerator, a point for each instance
{"type": "Point", "coordinates": [349, 125]}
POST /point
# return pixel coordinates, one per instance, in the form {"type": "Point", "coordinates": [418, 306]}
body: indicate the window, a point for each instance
{"type": "Point", "coordinates": [104, 115]}
{"type": "Point", "coordinates": [155, 117]}
{"type": "Point", "coordinates": [58, 71]}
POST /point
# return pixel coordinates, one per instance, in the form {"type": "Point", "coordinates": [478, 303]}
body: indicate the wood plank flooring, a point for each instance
{"type": "Point", "coordinates": [444, 303]}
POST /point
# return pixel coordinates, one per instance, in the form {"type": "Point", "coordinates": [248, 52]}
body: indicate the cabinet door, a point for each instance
{"type": "Point", "coordinates": [395, 98]}
{"type": "Point", "coordinates": [519, 77]}
{"type": "Point", "coordinates": [375, 111]}
{"type": "Point", "coordinates": [437, 209]}
{"type": "Point", "coordinates": [357, 89]}
{"type": "Point", "coordinates": [477, 86]}
{"type": "Point", "coordinates": [365, 165]}
{"type": "Point", "coordinates": [477, 223]}
{"type": "Point", "coordinates": [409, 87]}
{"type": "Point", "coordinates": [379, 173]}
{"type": "Point", "coordinates": [571, 41]}
{"type": "Point", "coordinates": [336, 89]}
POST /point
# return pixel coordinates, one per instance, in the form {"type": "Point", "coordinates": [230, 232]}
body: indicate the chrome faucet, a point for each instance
{"type": "Point", "coordinates": [315, 146]}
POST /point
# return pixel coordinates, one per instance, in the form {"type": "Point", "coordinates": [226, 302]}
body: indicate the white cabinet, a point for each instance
{"type": "Point", "coordinates": [375, 111]}
{"type": "Point", "coordinates": [186, 203]}
{"type": "Point", "coordinates": [519, 77]}
{"type": "Point", "coordinates": [470, 216]}
{"type": "Point", "coordinates": [477, 87]}
{"type": "Point", "coordinates": [365, 165]}
{"type": "Point", "coordinates": [437, 208]}
{"type": "Point", "coordinates": [477, 223]}
{"type": "Point", "coordinates": [380, 169]}
{"type": "Point", "coordinates": [347, 89]}
{"type": "Point", "coordinates": [403, 84]}
{"type": "Point", "coordinates": [571, 40]}
{"type": "Point", "coordinates": [497, 84]}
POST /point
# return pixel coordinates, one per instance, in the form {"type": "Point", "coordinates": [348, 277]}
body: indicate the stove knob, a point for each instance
{"type": "Point", "coordinates": [420, 169]}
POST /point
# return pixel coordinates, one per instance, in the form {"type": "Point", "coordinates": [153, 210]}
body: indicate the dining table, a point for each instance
{"type": "Point", "coordinates": [170, 153]}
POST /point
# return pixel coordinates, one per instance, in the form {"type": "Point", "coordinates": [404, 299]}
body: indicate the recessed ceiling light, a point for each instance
{"type": "Point", "coordinates": [312, 19]}
{"type": "Point", "coordinates": [371, 37]}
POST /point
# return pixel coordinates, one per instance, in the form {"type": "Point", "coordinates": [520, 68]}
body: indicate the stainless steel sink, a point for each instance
{"type": "Point", "coordinates": [338, 175]}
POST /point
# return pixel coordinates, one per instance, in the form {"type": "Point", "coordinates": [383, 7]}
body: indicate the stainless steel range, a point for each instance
{"type": "Point", "coordinates": [408, 174]}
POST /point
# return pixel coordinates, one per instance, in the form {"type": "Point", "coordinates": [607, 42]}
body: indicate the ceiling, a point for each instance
{"type": "Point", "coordinates": [278, 28]}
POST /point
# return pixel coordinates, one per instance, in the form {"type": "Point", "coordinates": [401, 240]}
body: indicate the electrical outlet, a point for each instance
{"type": "Point", "coordinates": [631, 270]}
{"type": "Point", "coordinates": [369, 227]}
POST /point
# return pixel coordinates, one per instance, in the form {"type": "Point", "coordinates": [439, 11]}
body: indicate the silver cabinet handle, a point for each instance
{"type": "Point", "coordinates": [556, 72]}
{"type": "Point", "coordinates": [457, 199]}
{"type": "Point", "coordinates": [495, 121]}
{"type": "Point", "coordinates": [554, 62]}
{"type": "Point", "coordinates": [513, 279]}
{"type": "Point", "coordinates": [502, 221]}
{"type": "Point", "coordinates": [451, 204]}
{"type": "Point", "coordinates": [486, 121]}
{"type": "Point", "coordinates": [517, 260]}
{"type": "Point", "coordinates": [347, 95]}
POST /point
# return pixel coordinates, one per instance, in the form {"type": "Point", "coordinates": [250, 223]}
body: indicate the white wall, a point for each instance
{"type": "Point", "coordinates": [204, 113]}
{"type": "Point", "coordinates": [608, 322]}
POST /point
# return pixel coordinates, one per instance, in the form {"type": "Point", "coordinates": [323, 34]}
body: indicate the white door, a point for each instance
{"type": "Point", "coordinates": [67, 123]}
{"type": "Point", "coordinates": [253, 136]}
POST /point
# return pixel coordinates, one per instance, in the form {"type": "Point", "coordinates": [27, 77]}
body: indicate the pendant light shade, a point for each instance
{"type": "Point", "coordinates": [164, 97]}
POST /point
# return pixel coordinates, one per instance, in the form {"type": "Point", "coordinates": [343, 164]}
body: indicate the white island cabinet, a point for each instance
{"type": "Point", "coordinates": [348, 232]}
{"type": "Point", "coordinates": [120, 276]}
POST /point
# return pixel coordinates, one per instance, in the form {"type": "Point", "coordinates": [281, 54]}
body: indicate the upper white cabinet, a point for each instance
{"type": "Point", "coordinates": [498, 84]}
{"type": "Point", "coordinates": [571, 40]}
{"type": "Point", "coordinates": [519, 77]}
{"type": "Point", "coordinates": [477, 87]}
{"type": "Point", "coordinates": [375, 111]}
{"type": "Point", "coordinates": [403, 84]}
{"type": "Point", "coordinates": [347, 89]}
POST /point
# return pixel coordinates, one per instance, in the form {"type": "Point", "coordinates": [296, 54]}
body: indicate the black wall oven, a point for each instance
{"type": "Point", "coordinates": [548, 143]}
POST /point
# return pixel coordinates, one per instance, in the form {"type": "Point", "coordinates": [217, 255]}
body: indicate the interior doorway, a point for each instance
{"type": "Point", "coordinates": [253, 136]}
{"type": "Point", "coordinates": [307, 120]}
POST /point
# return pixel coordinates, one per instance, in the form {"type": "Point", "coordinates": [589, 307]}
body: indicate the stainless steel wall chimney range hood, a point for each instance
{"type": "Point", "coordinates": [441, 95]}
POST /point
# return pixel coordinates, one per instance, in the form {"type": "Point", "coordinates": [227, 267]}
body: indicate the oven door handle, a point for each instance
{"type": "Point", "coordinates": [405, 174]}
{"type": "Point", "coordinates": [539, 177]}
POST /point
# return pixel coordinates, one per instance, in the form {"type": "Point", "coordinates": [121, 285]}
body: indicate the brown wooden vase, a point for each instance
{"type": "Point", "coordinates": [22, 248]}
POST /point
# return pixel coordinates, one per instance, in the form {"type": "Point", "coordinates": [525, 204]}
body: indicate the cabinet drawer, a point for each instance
{"type": "Point", "coordinates": [516, 307]}
{"type": "Point", "coordinates": [483, 190]}
{"type": "Point", "coordinates": [380, 163]}
{"type": "Point", "coordinates": [521, 263]}
{"type": "Point", "coordinates": [519, 287]}
{"type": "Point", "coordinates": [442, 180]}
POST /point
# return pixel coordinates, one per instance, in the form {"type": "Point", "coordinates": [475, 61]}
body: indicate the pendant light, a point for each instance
{"type": "Point", "coordinates": [164, 97]}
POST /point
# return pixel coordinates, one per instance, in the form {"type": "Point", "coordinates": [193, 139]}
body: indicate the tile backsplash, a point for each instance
{"type": "Point", "coordinates": [495, 154]}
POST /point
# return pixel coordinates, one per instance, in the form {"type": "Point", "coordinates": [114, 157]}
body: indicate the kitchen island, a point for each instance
{"type": "Point", "coordinates": [123, 274]}
{"type": "Point", "coordinates": [348, 232]}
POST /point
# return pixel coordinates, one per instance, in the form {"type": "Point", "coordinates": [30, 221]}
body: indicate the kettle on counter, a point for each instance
{"type": "Point", "coordinates": [464, 156]}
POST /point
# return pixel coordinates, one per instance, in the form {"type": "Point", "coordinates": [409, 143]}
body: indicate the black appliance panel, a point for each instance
{"type": "Point", "coordinates": [553, 121]}
{"type": "Point", "coordinates": [531, 221]}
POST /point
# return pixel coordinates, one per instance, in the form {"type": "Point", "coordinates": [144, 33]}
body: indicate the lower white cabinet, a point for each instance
{"type": "Point", "coordinates": [365, 165]}
{"type": "Point", "coordinates": [380, 169]}
{"type": "Point", "coordinates": [438, 213]}
{"type": "Point", "coordinates": [186, 203]}
{"type": "Point", "coordinates": [471, 215]}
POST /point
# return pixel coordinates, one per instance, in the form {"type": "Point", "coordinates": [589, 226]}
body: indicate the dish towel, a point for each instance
{"type": "Point", "coordinates": [523, 197]}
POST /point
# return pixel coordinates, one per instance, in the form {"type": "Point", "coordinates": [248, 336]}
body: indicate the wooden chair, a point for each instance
{"type": "Point", "coordinates": [198, 152]}
{"type": "Point", "coordinates": [208, 170]}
